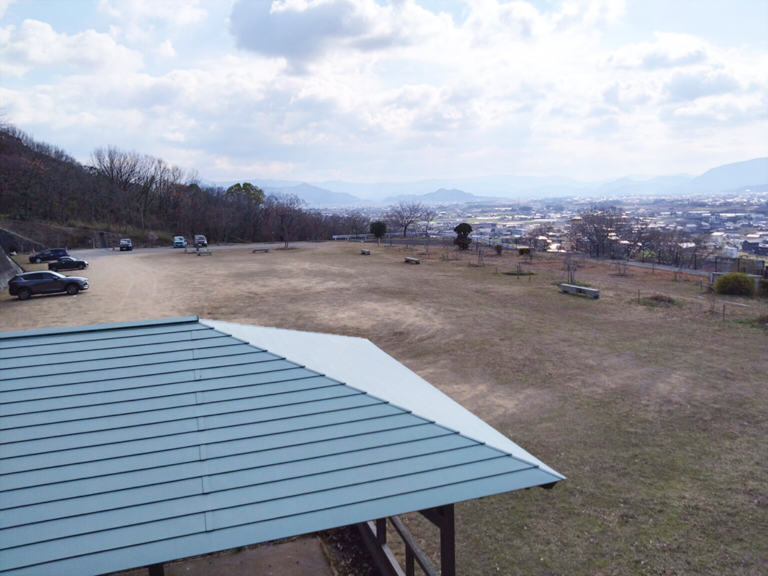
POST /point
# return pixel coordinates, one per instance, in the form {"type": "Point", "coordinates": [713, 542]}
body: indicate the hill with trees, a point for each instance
{"type": "Point", "coordinates": [145, 197]}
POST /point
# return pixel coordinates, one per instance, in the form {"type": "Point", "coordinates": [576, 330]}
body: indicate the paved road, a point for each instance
{"type": "Point", "coordinates": [98, 252]}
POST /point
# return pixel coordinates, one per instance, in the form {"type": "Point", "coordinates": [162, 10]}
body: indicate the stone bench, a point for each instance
{"type": "Point", "coordinates": [589, 292]}
{"type": "Point", "coordinates": [409, 260]}
{"type": "Point", "coordinates": [265, 250]}
{"type": "Point", "coordinates": [364, 252]}
{"type": "Point", "coordinates": [204, 253]}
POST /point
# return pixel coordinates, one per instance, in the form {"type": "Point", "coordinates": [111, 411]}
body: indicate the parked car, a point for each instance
{"type": "Point", "coordinates": [26, 285]}
{"type": "Point", "coordinates": [68, 263]}
{"type": "Point", "coordinates": [179, 242]}
{"type": "Point", "coordinates": [200, 241]}
{"type": "Point", "coordinates": [48, 255]}
{"type": "Point", "coordinates": [126, 244]}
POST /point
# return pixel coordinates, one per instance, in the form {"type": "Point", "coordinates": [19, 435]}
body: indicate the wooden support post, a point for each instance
{"type": "Point", "coordinates": [412, 549]}
{"type": "Point", "coordinates": [447, 542]}
{"type": "Point", "coordinates": [410, 568]}
{"type": "Point", "coordinates": [381, 530]}
{"type": "Point", "coordinates": [433, 515]}
{"type": "Point", "coordinates": [156, 570]}
{"type": "Point", "coordinates": [385, 561]}
{"type": "Point", "coordinates": [374, 535]}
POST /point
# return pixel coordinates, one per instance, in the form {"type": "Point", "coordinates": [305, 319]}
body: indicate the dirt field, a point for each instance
{"type": "Point", "coordinates": [658, 414]}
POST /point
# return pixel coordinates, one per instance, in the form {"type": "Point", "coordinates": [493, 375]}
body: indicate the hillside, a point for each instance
{"type": "Point", "coordinates": [729, 176]}
{"type": "Point", "coordinates": [144, 197]}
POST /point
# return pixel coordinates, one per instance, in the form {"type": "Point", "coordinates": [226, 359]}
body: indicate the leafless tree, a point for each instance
{"type": "Point", "coordinates": [428, 216]}
{"type": "Point", "coordinates": [357, 222]}
{"type": "Point", "coordinates": [118, 167]}
{"type": "Point", "coordinates": [404, 214]}
{"type": "Point", "coordinates": [286, 211]}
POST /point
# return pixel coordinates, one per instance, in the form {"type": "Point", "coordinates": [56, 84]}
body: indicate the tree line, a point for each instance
{"type": "Point", "coordinates": [609, 232]}
{"type": "Point", "coordinates": [120, 190]}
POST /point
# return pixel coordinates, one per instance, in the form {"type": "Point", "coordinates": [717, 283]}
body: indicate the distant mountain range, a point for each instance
{"type": "Point", "coordinates": [453, 190]}
{"type": "Point", "coordinates": [438, 196]}
{"type": "Point", "coordinates": [315, 196]}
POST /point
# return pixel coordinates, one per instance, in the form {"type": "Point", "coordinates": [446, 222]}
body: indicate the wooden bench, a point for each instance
{"type": "Point", "coordinates": [204, 253]}
{"type": "Point", "coordinates": [589, 292]}
{"type": "Point", "coordinates": [409, 260]}
{"type": "Point", "coordinates": [265, 250]}
{"type": "Point", "coordinates": [364, 252]}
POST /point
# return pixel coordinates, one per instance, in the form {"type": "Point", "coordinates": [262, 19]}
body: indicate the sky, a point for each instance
{"type": "Point", "coordinates": [399, 90]}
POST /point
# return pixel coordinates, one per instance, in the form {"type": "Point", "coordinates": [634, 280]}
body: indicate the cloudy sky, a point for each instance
{"type": "Point", "coordinates": [369, 90]}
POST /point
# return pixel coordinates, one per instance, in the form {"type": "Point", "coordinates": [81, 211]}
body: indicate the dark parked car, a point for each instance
{"type": "Point", "coordinates": [200, 241]}
{"type": "Point", "coordinates": [126, 244]}
{"type": "Point", "coordinates": [48, 255]}
{"type": "Point", "coordinates": [26, 285]}
{"type": "Point", "coordinates": [68, 263]}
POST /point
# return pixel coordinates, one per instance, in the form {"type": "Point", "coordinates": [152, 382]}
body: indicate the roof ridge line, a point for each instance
{"type": "Point", "coordinates": [97, 327]}
{"type": "Point", "coordinates": [204, 320]}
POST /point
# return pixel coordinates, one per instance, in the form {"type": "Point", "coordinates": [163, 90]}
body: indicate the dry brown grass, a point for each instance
{"type": "Point", "coordinates": [658, 416]}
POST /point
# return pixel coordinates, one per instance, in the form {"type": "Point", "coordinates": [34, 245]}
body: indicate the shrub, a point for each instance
{"type": "Point", "coordinates": [498, 248]}
{"type": "Point", "coordinates": [523, 251]}
{"type": "Point", "coordinates": [462, 239]}
{"type": "Point", "coordinates": [378, 229]}
{"type": "Point", "coordinates": [762, 288]}
{"type": "Point", "coordinates": [735, 284]}
{"type": "Point", "coordinates": [661, 299]}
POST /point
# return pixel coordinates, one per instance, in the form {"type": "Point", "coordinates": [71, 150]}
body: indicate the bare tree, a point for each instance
{"type": "Point", "coordinates": [428, 216]}
{"type": "Point", "coordinates": [287, 212]}
{"type": "Point", "coordinates": [357, 222]}
{"type": "Point", "coordinates": [118, 167]}
{"type": "Point", "coordinates": [404, 214]}
{"type": "Point", "coordinates": [593, 229]}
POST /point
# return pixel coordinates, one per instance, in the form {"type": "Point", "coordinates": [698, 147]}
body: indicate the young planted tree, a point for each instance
{"type": "Point", "coordinates": [427, 218]}
{"type": "Point", "coordinates": [462, 240]}
{"type": "Point", "coordinates": [378, 229]}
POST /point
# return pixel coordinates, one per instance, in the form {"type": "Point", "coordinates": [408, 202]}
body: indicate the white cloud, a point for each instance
{"type": "Point", "coordinates": [4, 6]}
{"type": "Point", "coordinates": [166, 50]}
{"type": "Point", "coordinates": [315, 87]}
{"type": "Point", "coordinates": [669, 51]}
{"type": "Point", "coordinates": [137, 18]}
{"type": "Point", "coordinates": [36, 44]}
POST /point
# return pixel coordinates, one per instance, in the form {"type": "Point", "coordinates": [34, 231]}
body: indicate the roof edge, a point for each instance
{"type": "Point", "coordinates": [206, 322]}
{"type": "Point", "coordinates": [97, 327]}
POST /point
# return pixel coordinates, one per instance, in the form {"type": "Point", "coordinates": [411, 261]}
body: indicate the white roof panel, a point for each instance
{"type": "Point", "coordinates": [359, 363]}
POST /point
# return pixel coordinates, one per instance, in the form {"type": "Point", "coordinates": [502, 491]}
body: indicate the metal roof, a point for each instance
{"type": "Point", "coordinates": [360, 363]}
{"type": "Point", "coordinates": [123, 445]}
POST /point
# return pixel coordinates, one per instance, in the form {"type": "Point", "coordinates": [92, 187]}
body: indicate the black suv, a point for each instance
{"type": "Point", "coordinates": [29, 283]}
{"type": "Point", "coordinates": [48, 255]}
{"type": "Point", "coordinates": [67, 263]}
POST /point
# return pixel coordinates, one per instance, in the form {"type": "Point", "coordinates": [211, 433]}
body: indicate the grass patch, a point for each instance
{"type": "Point", "coordinates": [761, 322]}
{"type": "Point", "coordinates": [658, 301]}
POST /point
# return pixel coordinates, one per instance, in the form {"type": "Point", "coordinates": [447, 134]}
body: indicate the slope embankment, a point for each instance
{"type": "Point", "coordinates": [8, 269]}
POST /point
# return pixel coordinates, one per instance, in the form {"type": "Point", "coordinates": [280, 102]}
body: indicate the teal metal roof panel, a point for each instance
{"type": "Point", "coordinates": [136, 443]}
